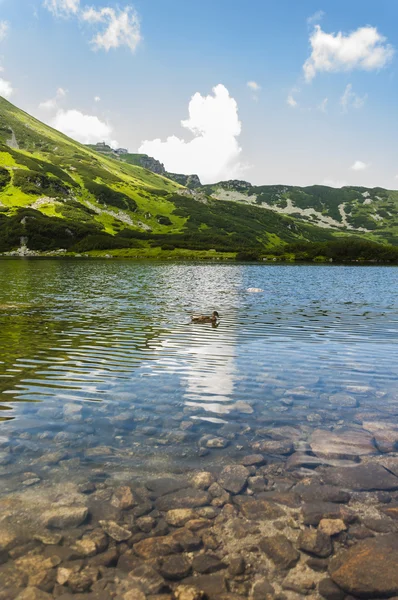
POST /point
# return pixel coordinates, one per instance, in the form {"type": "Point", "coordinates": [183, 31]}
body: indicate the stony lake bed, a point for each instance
{"type": "Point", "coordinates": [145, 457]}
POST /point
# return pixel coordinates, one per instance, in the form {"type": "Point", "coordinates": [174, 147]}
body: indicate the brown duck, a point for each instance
{"type": "Point", "coordinates": [205, 318]}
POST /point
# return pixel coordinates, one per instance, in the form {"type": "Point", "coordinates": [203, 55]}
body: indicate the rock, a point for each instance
{"type": "Point", "coordinates": [117, 533]}
{"type": "Point", "coordinates": [217, 442]}
{"type": "Point", "coordinates": [8, 539]}
{"type": "Point", "coordinates": [213, 585]}
{"type": "Point", "coordinates": [318, 564]}
{"type": "Point", "coordinates": [237, 566]}
{"type": "Point", "coordinates": [157, 546]}
{"type": "Point", "coordinates": [188, 592]}
{"type": "Point", "coordinates": [123, 498]}
{"type": "Point", "coordinates": [63, 517]}
{"type": "Point", "coordinates": [259, 510]}
{"type": "Point", "coordinates": [315, 542]}
{"type": "Point", "coordinates": [349, 444]}
{"type": "Point", "coordinates": [332, 526]}
{"type": "Point", "coordinates": [202, 480]}
{"type": "Point", "coordinates": [392, 512]}
{"type": "Point", "coordinates": [322, 493]}
{"type": "Point", "coordinates": [385, 433]}
{"type": "Point", "coordinates": [48, 539]}
{"type": "Point", "coordinates": [368, 569]}
{"type": "Point", "coordinates": [175, 567]}
{"type": "Point", "coordinates": [179, 516]}
{"type": "Point", "coordinates": [302, 459]}
{"type": "Point", "coordinates": [314, 512]}
{"type": "Point", "coordinates": [165, 485]}
{"type": "Point", "coordinates": [343, 401]}
{"type": "Point", "coordinates": [256, 484]}
{"type": "Point", "coordinates": [184, 498]}
{"type": "Point", "coordinates": [274, 446]}
{"type": "Point", "coordinates": [253, 460]}
{"type": "Point", "coordinates": [33, 593]}
{"type": "Point", "coordinates": [262, 590]}
{"type": "Point", "coordinates": [280, 550]}
{"type": "Point", "coordinates": [300, 580]}
{"type": "Point", "coordinates": [233, 478]}
{"type": "Point", "coordinates": [147, 578]}
{"type": "Point", "coordinates": [135, 593]}
{"type": "Point", "coordinates": [243, 407]}
{"type": "Point", "coordinates": [82, 581]}
{"type": "Point", "coordinates": [329, 590]}
{"type": "Point", "coordinates": [363, 478]}
{"type": "Point", "coordinates": [187, 540]}
{"type": "Point", "coordinates": [391, 464]}
{"type": "Point", "coordinates": [207, 563]}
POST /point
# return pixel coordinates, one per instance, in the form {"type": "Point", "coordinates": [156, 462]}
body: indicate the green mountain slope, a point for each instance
{"type": "Point", "coordinates": [372, 213]}
{"type": "Point", "coordinates": [58, 194]}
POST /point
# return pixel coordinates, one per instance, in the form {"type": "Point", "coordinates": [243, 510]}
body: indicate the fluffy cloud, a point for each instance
{"type": "Point", "coordinates": [351, 99]}
{"type": "Point", "coordinates": [121, 27]}
{"type": "Point", "coordinates": [62, 8]}
{"type": "Point", "coordinates": [364, 49]}
{"type": "Point", "coordinates": [97, 99]}
{"type": "Point", "coordinates": [291, 101]}
{"type": "Point", "coordinates": [253, 85]}
{"type": "Point", "coordinates": [6, 89]}
{"type": "Point", "coordinates": [52, 103]}
{"type": "Point", "coordinates": [359, 166]}
{"type": "Point", "coordinates": [4, 27]}
{"type": "Point", "coordinates": [87, 129]}
{"type": "Point", "coordinates": [316, 17]}
{"type": "Point", "coordinates": [214, 152]}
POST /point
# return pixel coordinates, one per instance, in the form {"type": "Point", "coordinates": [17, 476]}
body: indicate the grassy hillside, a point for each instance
{"type": "Point", "coordinates": [372, 213]}
{"type": "Point", "coordinates": [58, 194]}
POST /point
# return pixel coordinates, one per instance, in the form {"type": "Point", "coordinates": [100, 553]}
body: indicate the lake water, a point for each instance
{"type": "Point", "coordinates": [102, 372]}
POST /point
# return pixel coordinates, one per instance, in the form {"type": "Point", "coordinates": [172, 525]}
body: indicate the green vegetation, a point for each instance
{"type": "Point", "coordinates": [58, 194]}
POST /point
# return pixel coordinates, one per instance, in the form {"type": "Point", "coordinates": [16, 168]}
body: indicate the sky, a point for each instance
{"type": "Point", "coordinates": [269, 91]}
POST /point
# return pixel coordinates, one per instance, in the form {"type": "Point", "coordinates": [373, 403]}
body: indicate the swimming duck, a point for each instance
{"type": "Point", "coordinates": [205, 318]}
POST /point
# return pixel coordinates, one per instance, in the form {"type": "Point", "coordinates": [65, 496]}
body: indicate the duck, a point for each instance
{"type": "Point", "coordinates": [205, 318]}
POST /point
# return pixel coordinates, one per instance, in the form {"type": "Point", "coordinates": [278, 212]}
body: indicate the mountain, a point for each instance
{"type": "Point", "coordinates": [57, 194]}
{"type": "Point", "coordinates": [143, 160]}
{"type": "Point", "coordinates": [370, 212]}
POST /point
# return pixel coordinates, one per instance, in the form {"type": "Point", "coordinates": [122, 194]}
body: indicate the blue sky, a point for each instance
{"type": "Point", "coordinates": [320, 108]}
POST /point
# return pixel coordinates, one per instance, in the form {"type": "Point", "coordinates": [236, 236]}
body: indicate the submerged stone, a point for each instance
{"type": "Point", "coordinates": [368, 569]}
{"type": "Point", "coordinates": [234, 478]}
{"type": "Point", "coordinates": [280, 550]}
{"type": "Point", "coordinates": [365, 477]}
{"type": "Point", "coordinates": [63, 517]}
{"type": "Point", "coordinates": [345, 445]}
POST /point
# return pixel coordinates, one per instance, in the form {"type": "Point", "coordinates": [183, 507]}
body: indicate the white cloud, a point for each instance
{"type": "Point", "coordinates": [6, 89]}
{"type": "Point", "coordinates": [87, 129]}
{"type": "Point", "coordinates": [359, 166]}
{"type": "Point", "coordinates": [334, 183]}
{"type": "Point", "coordinates": [62, 8]}
{"type": "Point", "coordinates": [253, 85]}
{"type": "Point", "coordinates": [316, 17]}
{"type": "Point", "coordinates": [122, 27]}
{"type": "Point", "coordinates": [291, 101]}
{"type": "Point", "coordinates": [351, 99]}
{"type": "Point", "coordinates": [4, 27]}
{"type": "Point", "coordinates": [52, 103]}
{"type": "Point", "coordinates": [97, 99]}
{"type": "Point", "coordinates": [365, 49]}
{"type": "Point", "coordinates": [323, 106]}
{"type": "Point", "coordinates": [214, 152]}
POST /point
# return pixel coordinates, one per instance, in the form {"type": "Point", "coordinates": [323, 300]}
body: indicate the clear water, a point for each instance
{"type": "Point", "coordinates": [99, 360]}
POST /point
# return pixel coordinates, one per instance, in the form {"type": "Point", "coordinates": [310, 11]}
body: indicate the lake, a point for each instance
{"type": "Point", "coordinates": [113, 403]}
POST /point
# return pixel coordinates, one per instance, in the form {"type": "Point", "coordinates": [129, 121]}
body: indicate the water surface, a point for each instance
{"type": "Point", "coordinates": [102, 353]}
